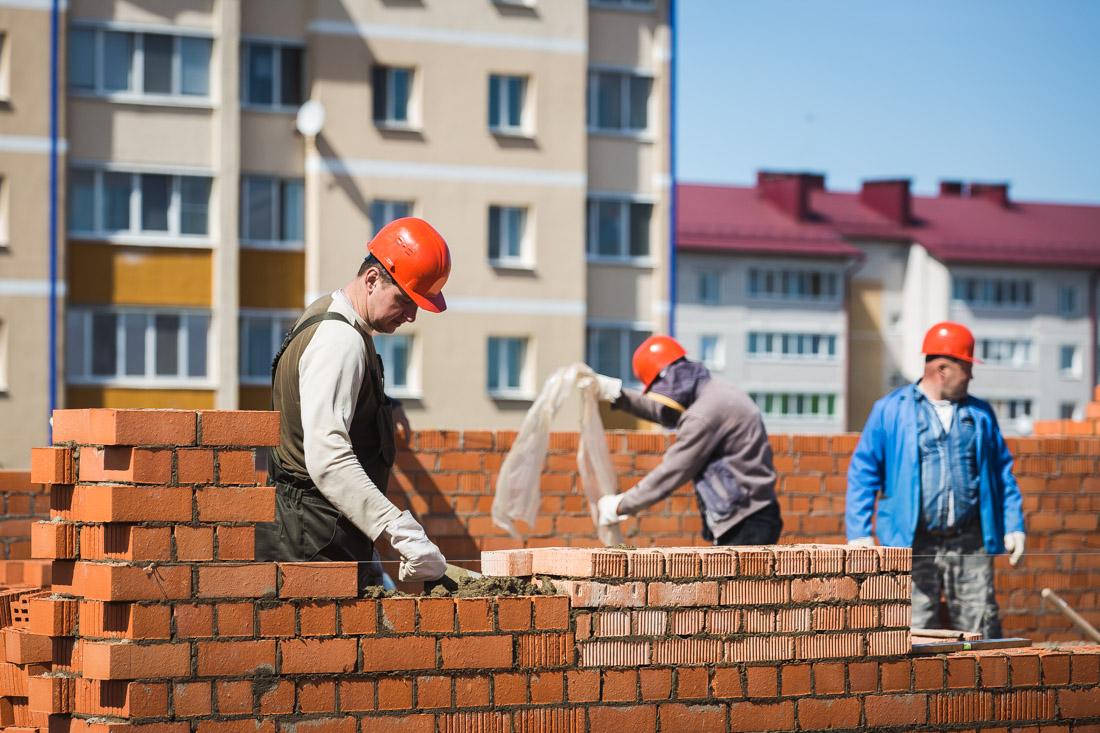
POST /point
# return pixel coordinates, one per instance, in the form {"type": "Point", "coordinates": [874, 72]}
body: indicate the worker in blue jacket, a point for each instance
{"type": "Point", "coordinates": [934, 458]}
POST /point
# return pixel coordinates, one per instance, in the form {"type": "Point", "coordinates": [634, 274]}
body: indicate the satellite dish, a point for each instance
{"type": "Point", "coordinates": [311, 118]}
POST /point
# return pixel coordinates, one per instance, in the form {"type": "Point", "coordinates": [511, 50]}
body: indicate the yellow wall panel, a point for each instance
{"type": "Point", "coordinates": [121, 275]}
{"type": "Point", "coordinates": [181, 399]}
{"type": "Point", "coordinates": [273, 279]}
{"type": "Point", "coordinates": [254, 398]}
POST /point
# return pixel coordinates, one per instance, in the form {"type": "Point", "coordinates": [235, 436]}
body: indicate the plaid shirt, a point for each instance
{"type": "Point", "coordinates": [948, 467]}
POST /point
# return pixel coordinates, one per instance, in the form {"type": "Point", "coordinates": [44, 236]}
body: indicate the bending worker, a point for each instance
{"type": "Point", "coordinates": [336, 430]}
{"type": "Point", "coordinates": [934, 457]}
{"type": "Point", "coordinates": [721, 444]}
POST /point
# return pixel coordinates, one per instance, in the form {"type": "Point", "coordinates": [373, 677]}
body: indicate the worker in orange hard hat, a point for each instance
{"type": "Point", "coordinates": [721, 445]}
{"type": "Point", "coordinates": [933, 457]}
{"type": "Point", "coordinates": [336, 437]}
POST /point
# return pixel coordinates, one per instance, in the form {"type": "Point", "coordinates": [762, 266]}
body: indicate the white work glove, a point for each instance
{"type": "Point", "coordinates": [420, 558]}
{"type": "Point", "coordinates": [608, 510]}
{"type": "Point", "coordinates": [1014, 543]}
{"type": "Point", "coordinates": [608, 389]}
{"type": "Point", "coordinates": [862, 542]}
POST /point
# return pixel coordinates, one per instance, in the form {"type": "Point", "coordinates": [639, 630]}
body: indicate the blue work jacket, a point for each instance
{"type": "Point", "coordinates": [886, 466]}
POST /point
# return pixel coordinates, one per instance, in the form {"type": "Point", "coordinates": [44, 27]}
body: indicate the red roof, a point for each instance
{"type": "Point", "coordinates": [953, 228]}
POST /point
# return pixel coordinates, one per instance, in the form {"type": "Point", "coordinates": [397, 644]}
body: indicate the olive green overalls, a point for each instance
{"type": "Point", "coordinates": [307, 526]}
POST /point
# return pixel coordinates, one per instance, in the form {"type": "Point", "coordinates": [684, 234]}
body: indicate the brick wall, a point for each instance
{"type": "Point", "coordinates": [157, 620]}
{"type": "Point", "coordinates": [447, 479]}
{"type": "Point", "coordinates": [21, 502]}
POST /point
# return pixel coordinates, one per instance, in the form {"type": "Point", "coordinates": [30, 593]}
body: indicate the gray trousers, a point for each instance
{"type": "Point", "coordinates": [959, 569]}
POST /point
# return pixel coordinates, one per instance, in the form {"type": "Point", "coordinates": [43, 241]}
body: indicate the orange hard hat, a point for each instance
{"type": "Point", "coordinates": [417, 257]}
{"type": "Point", "coordinates": [654, 354]}
{"type": "Point", "coordinates": [950, 339]}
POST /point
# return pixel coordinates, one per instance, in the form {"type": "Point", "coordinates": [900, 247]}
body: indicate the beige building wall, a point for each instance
{"type": "Point", "coordinates": [24, 230]}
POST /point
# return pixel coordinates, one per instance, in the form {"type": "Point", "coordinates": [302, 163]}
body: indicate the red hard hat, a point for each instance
{"type": "Point", "coordinates": [417, 257]}
{"type": "Point", "coordinates": [950, 339]}
{"type": "Point", "coordinates": [654, 354]}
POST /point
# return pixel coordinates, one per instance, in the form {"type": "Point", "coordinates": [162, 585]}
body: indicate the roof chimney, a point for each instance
{"type": "Point", "coordinates": [995, 192]}
{"type": "Point", "coordinates": [951, 188]}
{"type": "Point", "coordinates": [890, 198]}
{"type": "Point", "coordinates": [789, 192]}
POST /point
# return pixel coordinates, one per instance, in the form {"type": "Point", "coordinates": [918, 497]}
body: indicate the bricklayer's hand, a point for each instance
{"type": "Point", "coordinates": [608, 509]}
{"type": "Point", "coordinates": [1014, 544]}
{"type": "Point", "coordinates": [420, 558]}
{"type": "Point", "coordinates": [608, 389]}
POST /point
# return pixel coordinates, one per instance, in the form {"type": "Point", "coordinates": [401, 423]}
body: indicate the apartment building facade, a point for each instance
{"type": "Point", "coordinates": [1023, 276]}
{"type": "Point", "coordinates": [199, 220]}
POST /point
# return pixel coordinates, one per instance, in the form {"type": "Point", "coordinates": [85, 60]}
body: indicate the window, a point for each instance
{"type": "Point", "coordinates": [117, 202]}
{"type": "Point", "coordinates": [1011, 409]}
{"type": "Point", "coordinates": [1068, 411]}
{"type": "Point", "coordinates": [793, 285]}
{"type": "Point", "coordinates": [618, 229]}
{"type": "Point", "coordinates": [5, 194]}
{"type": "Point", "coordinates": [392, 88]}
{"type": "Point", "coordinates": [792, 346]}
{"type": "Point", "coordinates": [3, 357]}
{"type": "Point", "coordinates": [1069, 361]}
{"type": "Point", "coordinates": [260, 336]}
{"type": "Point", "coordinates": [1005, 352]}
{"type": "Point", "coordinates": [110, 62]}
{"type": "Point", "coordinates": [795, 405]}
{"type": "Point", "coordinates": [1067, 302]}
{"type": "Point", "coordinates": [396, 353]}
{"type": "Point", "coordinates": [708, 287]}
{"type": "Point", "coordinates": [618, 101]}
{"type": "Point", "coordinates": [506, 103]}
{"type": "Point", "coordinates": [382, 212]}
{"type": "Point", "coordinates": [506, 361]}
{"type": "Point", "coordinates": [610, 349]}
{"type": "Point", "coordinates": [272, 74]}
{"type": "Point", "coordinates": [138, 347]}
{"type": "Point", "coordinates": [507, 232]}
{"type": "Point", "coordinates": [5, 66]}
{"type": "Point", "coordinates": [711, 352]}
{"type": "Point", "coordinates": [988, 292]}
{"type": "Point", "coordinates": [272, 211]}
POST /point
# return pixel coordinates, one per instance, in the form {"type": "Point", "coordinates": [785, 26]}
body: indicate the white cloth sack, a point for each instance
{"type": "Point", "coordinates": [518, 494]}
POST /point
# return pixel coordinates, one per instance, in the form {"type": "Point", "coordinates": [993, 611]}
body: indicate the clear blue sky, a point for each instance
{"type": "Point", "coordinates": [968, 89]}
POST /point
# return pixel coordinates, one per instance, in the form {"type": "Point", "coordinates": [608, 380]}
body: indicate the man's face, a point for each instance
{"type": "Point", "coordinates": [955, 376]}
{"type": "Point", "coordinates": [388, 306]}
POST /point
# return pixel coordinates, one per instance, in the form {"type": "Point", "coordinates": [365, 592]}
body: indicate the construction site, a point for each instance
{"type": "Point", "coordinates": [371, 365]}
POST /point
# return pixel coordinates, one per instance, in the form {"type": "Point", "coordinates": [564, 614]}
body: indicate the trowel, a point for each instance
{"type": "Point", "coordinates": [453, 577]}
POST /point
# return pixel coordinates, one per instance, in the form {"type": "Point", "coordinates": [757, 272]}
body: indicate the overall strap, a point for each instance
{"type": "Point", "coordinates": [290, 336]}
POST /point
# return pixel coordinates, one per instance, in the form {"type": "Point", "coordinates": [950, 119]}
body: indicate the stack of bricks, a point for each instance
{"type": "Point", "coordinates": [1089, 425]}
{"type": "Point", "coordinates": [723, 605]}
{"type": "Point", "coordinates": [21, 503]}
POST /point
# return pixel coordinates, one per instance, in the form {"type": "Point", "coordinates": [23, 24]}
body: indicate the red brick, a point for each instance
{"type": "Point", "coordinates": [394, 694]}
{"type": "Point", "coordinates": [823, 590]}
{"type": "Point", "coordinates": [895, 676]}
{"type": "Point", "coordinates": [514, 614]}
{"type": "Point", "coordinates": [317, 696]}
{"type": "Point", "coordinates": [895, 710]}
{"type": "Point", "coordinates": [277, 698]}
{"type": "Point", "coordinates": [253, 580]}
{"type": "Point", "coordinates": [318, 619]}
{"type": "Point", "coordinates": [795, 679]}
{"type": "Point", "coordinates": [691, 683]}
{"type": "Point", "coordinates": [194, 621]}
{"type": "Point", "coordinates": [390, 724]}
{"type": "Point", "coordinates": [125, 542]}
{"type": "Point", "coordinates": [691, 718]}
{"type": "Point", "coordinates": [547, 687]}
{"type": "Point", "coordinates": [816, 714]}
{"type": "Point", "coordinates": [101, 582]}
{"type": "Point", "coordinates": [762, 681]}
{"type": "Point", "coordinates": [862, 676]}
{"type": "Point", "coordinates": [235, 619]}
{"type": "Point", "coordinates": [632, 718]}
{"type": "Point", "coordinates": [1025, 669]}
{"type": "Point", "coordinates": [234, 697]}
{"type": "Point", "coordinates": [726, 683]}
{"type": "Point", "coordinates": [239, 427]}
{"type": "Point", "coordinates": [124, 620]}
{"type": "Point", "coordinates": [683, 594]}
{"type": "Point", "coordinates": [53, 540]}
{"type": "Point", "coordinates": [246, 725]}
{"type": "Point", "coordinates": [355, 695]}
{"type": "Point", "coordinates": [436, 615]}
{"type": "Point", "coordinates": [277, 620]}
{"type": "Point", "coordinates": [433, 692]}
{"type": "Point", "coordinates": [195, 466]}
{"type": "Point", "coordinates": [476, 652]}
{"type": "Point", "coordinates": [236, 467]}
{"type": "Point", "coordinates": [318, 580]}
{"type": "Point", "coordinates": [236, 503]}
{"type": "Point", "coordinates": [1079, 703]}
{"type": "Point", "coordinates": [928, 674]}
{"type": "Point", "coordinates": [399, 615]}
{"type": "Point", "coordinates": [115, 661]}
{"type": "Point", "coordinates": [51, 466]}
{"type": "Point", "coordinates": [475, 614]}
{"type": "Point", "coordinates": [124, 427]}
{"type": "Point", "coordinates": [51, 616]}
{"type": "Point", "coordinates": [749, 716]}
{"type": "Point", "coordinates": [1055, 669]}
{"type": "Point", "coordinates": [358, 617]}
{"type": "Point", "coordinates": [620, 685]}
{"type": "Point", "coordinates": [126, 464]}
{"type": "Point", "coordinates": [993, 670]}
{"type": "Point", "coordinates": [1085, 669]}
{"type": "Point", "coordinates": [386, 654]}
{"type": "Point", "coordinates": [315, 656]}
{"type": "Point", "coordinates": [191, 699]}
{"type": "Point", "coordinates": [236, 543]}
{"type": "Point", "coordinates": [111, 503]}
{"type": "Point", "coordinates": [472, 692]}
{"type": "Point", "coordinates": [194, 543]}
{"type": "Point", "coordinates": [509, 689]}
{"type": "Point", "coordinates": [828, 678]}
{"type": "Point", "coordinates": [583, 685]}
{"type": "Point", "coordinates": [228, 658]}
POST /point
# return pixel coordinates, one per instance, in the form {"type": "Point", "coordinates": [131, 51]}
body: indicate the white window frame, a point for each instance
{"type": "Point", "coordinates": [388, 121]}
{"type": "Point", "coordinates": [1003, 406]}
{"type": "Point", "coordinates": [522, 391]}
{"type": "Point", "coordinates": [411, 388]}
{"type": "Point", "coordinates": [592, 229]}
{"type": "Point", "coordinates": [1022, 352]}
{"type": "Point", "coordinates": [1067, 301]}
{"type": "Point", "coordinates": [523, 260]}
{"type": "Point", "coordinates": [390, 212]}
{"type": "Point", "coordinates": [277, 319]}
{"type": "Point", "coordinates": [135, 235]}
{"type": "Point", "coordinates": [278, 46]}
{"type": "Point", "coordinates": [136, 95]}
{"type": "Point", "coordinates": [781, 339]}
{"type": "Point", "coordinates": [709, 284]}
{"type": "Point", "coordinates": [718, 362]}
{"type": "Point", "coordinates": [499, 127]}
{"type": "Point", "coordinates": [81, 374]}
{"type": "Point", "coordinates": [626, 73]}
{"type": "Point", "coordinates": [783, 275]}
{"type": "Point", "coordinates": [276, 213]}
{"type": "Point", "coordinates": [1075, 369]}
{"type": "Point", "coordinates": [831, 399]}
{"type": "Point", "coordinates": [982, 284]}
{"type": "Point", "coordinates": [624, 330]}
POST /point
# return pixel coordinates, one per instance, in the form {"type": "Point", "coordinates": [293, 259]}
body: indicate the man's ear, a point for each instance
{"type": "Point", "coordinates": [370, 279]}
